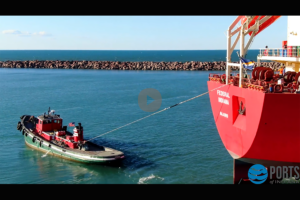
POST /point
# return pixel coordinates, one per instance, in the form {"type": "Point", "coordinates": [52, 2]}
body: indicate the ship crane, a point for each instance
{"type": "Point", "coordinates": [251, 25]}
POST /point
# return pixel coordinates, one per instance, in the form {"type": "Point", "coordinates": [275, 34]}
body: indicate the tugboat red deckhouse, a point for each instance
{"type": "Point", "coordinates": [50, 128]}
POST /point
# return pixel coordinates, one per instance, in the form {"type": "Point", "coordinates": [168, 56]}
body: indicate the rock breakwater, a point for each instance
{"type": "Point", "coordinates": [115, 65]}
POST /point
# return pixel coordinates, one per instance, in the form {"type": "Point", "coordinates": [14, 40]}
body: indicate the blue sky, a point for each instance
{"type": "Point", "coordinates": [127, 33]}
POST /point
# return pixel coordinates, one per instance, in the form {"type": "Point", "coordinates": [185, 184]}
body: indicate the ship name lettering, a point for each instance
{"type": "Point", "coordinates": [222, 93]}
{"type": "Point", "coordinates": [224, 114]}
{"type": "Point", "coordinates": [225, 101]}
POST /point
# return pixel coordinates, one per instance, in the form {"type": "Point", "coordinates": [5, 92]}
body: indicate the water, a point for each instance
{"type": "Point", "coordinates": [134, 56]}
{"type": "Point", "coordinates": [180, 145]}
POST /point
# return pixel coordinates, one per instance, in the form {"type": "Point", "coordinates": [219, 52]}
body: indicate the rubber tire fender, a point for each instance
{"type": "Point", "coordinates": [19, 126]}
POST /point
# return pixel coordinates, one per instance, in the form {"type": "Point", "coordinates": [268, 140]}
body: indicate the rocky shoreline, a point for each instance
{"type": "Point", "coordinates": [116, 65]}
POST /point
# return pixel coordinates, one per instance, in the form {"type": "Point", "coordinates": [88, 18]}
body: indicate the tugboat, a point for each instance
{"type": "Point", "coordinates": [46, 133]}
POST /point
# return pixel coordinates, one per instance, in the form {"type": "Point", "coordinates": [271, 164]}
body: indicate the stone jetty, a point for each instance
{"type": "Point", "coordinates": [116, 65]}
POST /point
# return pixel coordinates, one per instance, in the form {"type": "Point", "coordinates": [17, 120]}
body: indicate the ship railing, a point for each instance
{"type": "Point", "coordinates": [293, 51]}
{"type": "Point", "coordinates": [215, 77]}
{"type": "Point", "coordinates": [234, 77]}
{"type": "Point", "coordinates": [213, 74]}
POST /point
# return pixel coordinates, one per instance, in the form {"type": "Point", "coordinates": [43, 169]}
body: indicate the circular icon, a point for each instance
{"type": "Point", "coordinates": [149, 95]}
{"type": "Point", "coordinates": [257, 174]}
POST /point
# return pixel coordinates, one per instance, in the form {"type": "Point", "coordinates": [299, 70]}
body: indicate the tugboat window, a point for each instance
{"type": "Point", "coordinates": [55, 121]}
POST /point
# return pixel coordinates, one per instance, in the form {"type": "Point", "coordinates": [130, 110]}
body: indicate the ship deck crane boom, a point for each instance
{"type": "Point", "coordinates": [249, 25]}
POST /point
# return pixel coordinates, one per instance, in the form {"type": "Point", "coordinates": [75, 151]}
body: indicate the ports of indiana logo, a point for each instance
{"type": "Point", "coordinates": [257, 174]}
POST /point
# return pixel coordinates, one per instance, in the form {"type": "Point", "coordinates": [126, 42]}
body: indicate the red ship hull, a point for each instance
{"type": "Point", "coordinates": [269, 129]}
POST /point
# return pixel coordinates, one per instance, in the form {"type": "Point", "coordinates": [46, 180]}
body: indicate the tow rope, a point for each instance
{"type": "Point", "coordinates": [157, 112]}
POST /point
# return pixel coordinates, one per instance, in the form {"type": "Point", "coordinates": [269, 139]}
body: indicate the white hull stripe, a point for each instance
{"type": "Point", "coordinates": [76, 155]}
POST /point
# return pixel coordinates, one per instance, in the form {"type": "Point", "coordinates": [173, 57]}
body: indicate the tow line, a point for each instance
{"type": "Point", "coordinates": [156, 112]}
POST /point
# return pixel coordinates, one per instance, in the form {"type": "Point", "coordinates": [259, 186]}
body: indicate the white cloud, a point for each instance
{"type": "Point", "coordinates": [26, 33]}
{"type": "Point", "coordinates": [43, 33]}
{"type": "Point", "coordinates": [11, 32]}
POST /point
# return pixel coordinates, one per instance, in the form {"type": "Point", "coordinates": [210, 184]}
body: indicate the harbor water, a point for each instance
{"type": "Point", "coordinates": [178, 146]}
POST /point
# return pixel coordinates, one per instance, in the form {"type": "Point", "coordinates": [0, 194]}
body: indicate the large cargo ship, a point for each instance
{"type": "Point", "coordinates": [257, 115]}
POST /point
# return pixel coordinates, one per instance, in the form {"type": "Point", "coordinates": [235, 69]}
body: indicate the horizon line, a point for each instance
{"type": "Point", "coordinates": [114, 50]}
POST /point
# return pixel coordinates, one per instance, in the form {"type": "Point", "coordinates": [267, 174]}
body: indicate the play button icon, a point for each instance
{"type": "Point", "coordinates": [149, 100]}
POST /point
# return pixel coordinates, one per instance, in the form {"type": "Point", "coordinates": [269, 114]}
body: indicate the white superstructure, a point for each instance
{"type": "Point", "coordinates": [293, 31]}
{"type": "Point", "coordinates": [291, 58]}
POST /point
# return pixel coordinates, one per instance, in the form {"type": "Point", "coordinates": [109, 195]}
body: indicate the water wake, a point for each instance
{"type": "Point", "coordinates": [143, 179]}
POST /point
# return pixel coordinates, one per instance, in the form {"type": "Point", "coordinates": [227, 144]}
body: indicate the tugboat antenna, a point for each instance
{"type": "Point", "coordinates": [49, 111]}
